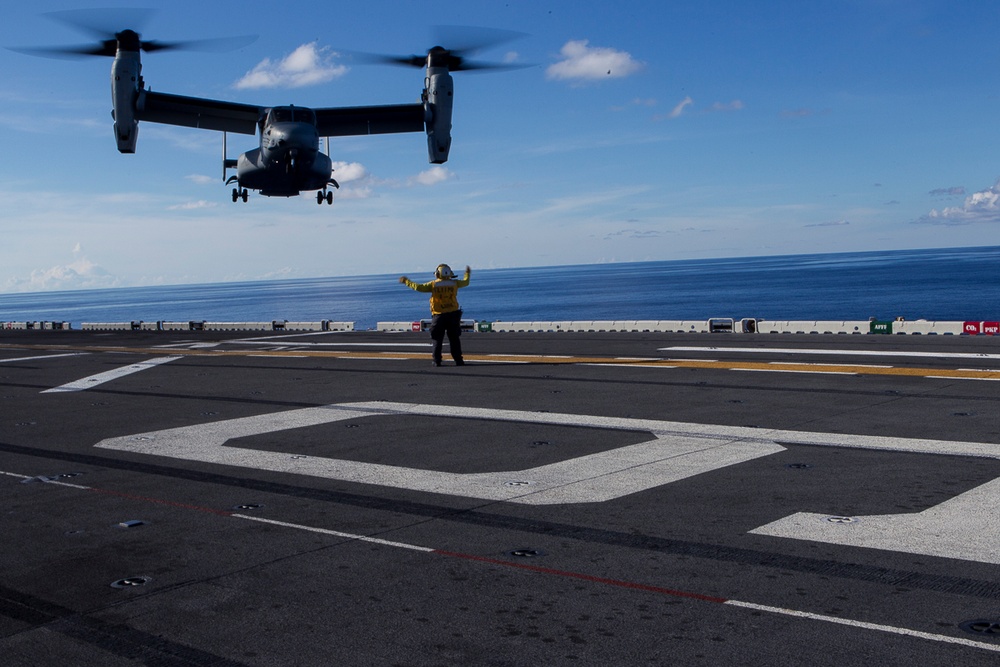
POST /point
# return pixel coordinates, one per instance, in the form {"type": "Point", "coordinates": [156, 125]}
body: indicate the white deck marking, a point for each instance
{"type": "Point", "coordinates": [289, 334]}
{"type": "Point", "coordinates": [878, 627]}
{"type": "Point", "coordinates": [785, 370]}
{"type": "Point", "coordinates": [784, 611]}
{"type": "Point", "coordinates": [675, 451]}
{"type": "Point", "coordinates": [188, 345]}
{"type": "Point", "coordinates": [44, 356]}
{"type": "Point", "coordinates": [94, 380]}
{"type": "Point", "coordinates": [964, 527]}
{"type": "Point", "coordinates": [292, 339]}
{"type": "Point", "coordinates": [844, 352]}
{"type": "Point", "coordinates": [336, 533]}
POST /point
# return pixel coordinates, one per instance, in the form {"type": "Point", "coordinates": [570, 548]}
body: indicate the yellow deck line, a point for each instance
{"type": "Point", "coordinates": [969, 374]}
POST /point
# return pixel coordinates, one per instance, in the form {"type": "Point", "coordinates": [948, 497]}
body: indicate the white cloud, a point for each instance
{"type": "Point", "coordinates": [982, 206]}
{"type": "Point", "coordinates": [201, 179]}
{"type": "Point", "coordinates": [307, 65]}
{"type": "Point", "coordinates": [363, 191]}
{"type": "Point", "coordinates": [358, 183]}
{"type": "Point", "coordinates": [80, 274]}
{"type": "Point", "coordinates": [355, 180]}
{"type": "Point", "coordinates": [346, 172]}
{"type": "Point", "coordinates": [583, 62]}
{"type": "Point", "coordinates": [679, 109]}
{"type": "Point", "coordinates": [432, 176]}
{"type": "Point", "coordinates": [682, 106]}
{"type": "Point", "coordinates": [193, 205]}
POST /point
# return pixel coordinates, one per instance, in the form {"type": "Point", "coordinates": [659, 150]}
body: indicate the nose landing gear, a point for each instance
{"type": "Point", "coordinates": [240, 194]}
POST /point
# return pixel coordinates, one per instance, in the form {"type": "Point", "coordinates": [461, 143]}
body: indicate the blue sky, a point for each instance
{"type": "Point", "coordinates": [643, 130]}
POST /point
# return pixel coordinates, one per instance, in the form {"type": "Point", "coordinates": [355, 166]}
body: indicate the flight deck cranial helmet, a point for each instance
{"type": "Point", "coordinates": [443, 272]}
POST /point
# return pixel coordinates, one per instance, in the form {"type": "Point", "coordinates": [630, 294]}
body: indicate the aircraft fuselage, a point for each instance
{"type": "Point", "coordinates": [289, 159]}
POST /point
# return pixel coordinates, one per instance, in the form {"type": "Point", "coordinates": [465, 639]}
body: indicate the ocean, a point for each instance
{"type": "Point", "coordinates": [954, 284]}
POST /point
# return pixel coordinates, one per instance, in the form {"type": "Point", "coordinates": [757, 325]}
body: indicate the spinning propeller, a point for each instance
{"type": "Point", "coordinates": [97, 22]}
{"type": "Point", "coordinates": [467, 41]}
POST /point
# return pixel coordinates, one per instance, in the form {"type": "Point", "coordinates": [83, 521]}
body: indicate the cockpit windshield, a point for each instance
{"type": "Point", "coordinates": [291, 114]}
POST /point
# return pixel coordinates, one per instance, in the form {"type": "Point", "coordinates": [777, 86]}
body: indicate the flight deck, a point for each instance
{"type": "Point", "coordinates": [642, 498]}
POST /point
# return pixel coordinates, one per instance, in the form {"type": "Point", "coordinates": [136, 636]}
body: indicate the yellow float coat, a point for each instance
{"type": "Point", "coordinates": [444, 292]}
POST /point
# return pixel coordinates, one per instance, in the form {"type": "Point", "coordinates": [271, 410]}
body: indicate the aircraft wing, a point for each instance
{"type": "Point", "coordinates": [197, 112]}
{"type": "Point", "coordinates": [344, 121]}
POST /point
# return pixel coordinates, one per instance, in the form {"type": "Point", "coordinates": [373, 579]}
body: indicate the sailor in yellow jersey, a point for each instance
{"type": "Point", "coordinates": [446, 314]}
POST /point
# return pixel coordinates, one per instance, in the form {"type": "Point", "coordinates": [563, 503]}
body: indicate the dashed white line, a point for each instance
{"type": "Point", "coordinates": [44, 356]}
{"type": "Point", "coordinates": [336, 533]}
{"type": "Point", "coordinates": [878, 627]}
{"type": "Point", "coordinates": [94, 380]}
{"type": "Point", "coordinates": [806, 615]}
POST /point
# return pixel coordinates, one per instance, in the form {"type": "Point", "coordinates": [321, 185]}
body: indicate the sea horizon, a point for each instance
{"type": "Point", "coordinates": [933, 284]}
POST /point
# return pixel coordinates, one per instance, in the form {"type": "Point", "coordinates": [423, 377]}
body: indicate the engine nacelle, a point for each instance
{"type": "Point", "coordinates": [126, 81]}
{"type": "Point", "coordinates": [439, 92]}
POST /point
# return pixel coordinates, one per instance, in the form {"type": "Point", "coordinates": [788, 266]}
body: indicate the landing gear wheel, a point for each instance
{"type": "Point", "coordinates": [319, 197]}
{"type": "Point", "coordinates": [244, 195]}
{"type": "Point", "coordinates": [329, 198]}
{"type": "Point", "coordinates": [236, 195]}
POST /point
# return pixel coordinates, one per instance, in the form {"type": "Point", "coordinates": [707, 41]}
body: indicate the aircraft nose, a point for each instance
{"type": "Point", "coordinates": [291, 137]}
{"type": "Point", "coordinates": [302, 133]}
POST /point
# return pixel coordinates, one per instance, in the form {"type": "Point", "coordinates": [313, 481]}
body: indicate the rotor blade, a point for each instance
{"type": "Point", "coordinates": [109, 47]}
{"type": "Point", "coordinates": [384, 59]}
{"type": "Point", "coordinates": [467, 40]}
{"type": "Point", "coordinates": [456, 42]}
{"type": "Point", "coordinates": [102, 23]}
{"type": "Point", "coordinates": [467, 66]}
{"type": "Point", "coordinates": [456, 63]}
{"type": "Point", "coordinates": [68, 52]}
{"type": "Point", "coordinates": [106, 26]}
{"type": "Point", "coordinates": [216, 45]}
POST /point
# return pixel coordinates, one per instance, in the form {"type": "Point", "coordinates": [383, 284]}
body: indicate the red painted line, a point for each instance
{"type": "Point", "coordinates": [587, 577]}
{"type": "Point", "coordinates": [562, 573]}
{"type": "Point", "coordinates": [631, 585]}
{"type": "Point", "coordinates": [452, 554]}
{"type": "Point", "coordinates": [157, 501]}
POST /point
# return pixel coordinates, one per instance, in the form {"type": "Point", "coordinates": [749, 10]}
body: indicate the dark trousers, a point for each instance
{"type": "Point", "coordinates": [449, 324]}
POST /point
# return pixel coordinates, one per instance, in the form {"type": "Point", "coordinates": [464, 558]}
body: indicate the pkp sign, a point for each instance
{"type": "Point", "coordinates": [988, 328]}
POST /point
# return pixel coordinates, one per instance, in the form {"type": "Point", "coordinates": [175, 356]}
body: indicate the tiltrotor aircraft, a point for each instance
{"type": "Point", "coordinates": [288, 160]}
